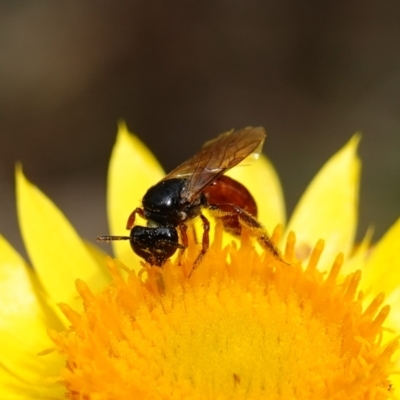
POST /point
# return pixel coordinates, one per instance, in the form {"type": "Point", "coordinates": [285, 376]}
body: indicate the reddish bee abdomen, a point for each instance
{"type": "Point", "coordinates": [225, 190]}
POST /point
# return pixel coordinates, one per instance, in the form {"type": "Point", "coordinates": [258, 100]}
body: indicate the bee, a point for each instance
{"type": "Point", "coordinates": [198, 183]}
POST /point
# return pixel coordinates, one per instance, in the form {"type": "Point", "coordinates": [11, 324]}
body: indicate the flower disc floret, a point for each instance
{"type": "Point", "coordinates": [248, 328]}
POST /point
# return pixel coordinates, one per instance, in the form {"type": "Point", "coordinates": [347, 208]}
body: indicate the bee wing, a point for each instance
{"type": "Point", "coordinates": [216, 157]}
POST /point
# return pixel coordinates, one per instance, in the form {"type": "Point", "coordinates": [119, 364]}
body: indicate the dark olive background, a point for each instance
{"type": "Point", "coordinates": [312, 73]}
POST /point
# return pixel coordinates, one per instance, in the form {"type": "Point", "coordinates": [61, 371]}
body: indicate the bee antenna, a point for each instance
{"type": "Point", "coordinates": [111, 238]}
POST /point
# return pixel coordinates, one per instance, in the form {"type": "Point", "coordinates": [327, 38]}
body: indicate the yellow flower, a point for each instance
{"type": "Point", "coordinates": [245, 325]}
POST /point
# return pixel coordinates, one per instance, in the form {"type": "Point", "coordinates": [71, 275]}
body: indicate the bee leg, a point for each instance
{"type": "Point", "coordinates": [185, 242]}
{"type": "Point", "coordinates": [205, 243]}
{"type": "Point", "coordinates": [246, 220]}
{"type": "Point", "coordinates": [131, 219]}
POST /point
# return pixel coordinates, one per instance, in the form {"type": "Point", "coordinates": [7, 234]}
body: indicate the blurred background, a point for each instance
{"type": "Point", "coordinates": [312, 73]}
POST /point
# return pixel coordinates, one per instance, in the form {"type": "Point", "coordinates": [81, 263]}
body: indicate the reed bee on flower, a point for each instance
{"type": "Point", "coordinates": [198, 183]}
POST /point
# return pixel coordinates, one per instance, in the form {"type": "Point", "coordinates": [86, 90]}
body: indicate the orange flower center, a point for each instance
{"type": "Point", "coordinates": [245, 325]}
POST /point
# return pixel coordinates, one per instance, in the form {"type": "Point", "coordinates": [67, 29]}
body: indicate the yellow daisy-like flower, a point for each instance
{"type": "Point", "coordinates": [245, 325]}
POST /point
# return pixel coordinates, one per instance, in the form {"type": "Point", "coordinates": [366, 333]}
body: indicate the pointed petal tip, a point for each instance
{"type": "Point", "coordinates": [18, 167]}
{"type": "Point", "coordinates": [19, 173]}
{"type": "Point", "coordinates": [121, 124]}
{"type": "Point", "coordinates": [22, 183]}
{"type": "Point", "coordinates": [129, 141]}
{"type": "Point", "coordinates": [332, 209]}
{"type": "Point", "coordinates": [352, 145]}
{"type": "Point", "coordinates": [348, 159]}
{"type": "Point", "coordinates": [122, 131]}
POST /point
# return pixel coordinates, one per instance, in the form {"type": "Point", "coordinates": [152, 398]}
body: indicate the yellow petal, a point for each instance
{"type": "Point", "coordinates": [395, 380]}
{"type": "Point", "coordinates": [382, 270]}
{"type": "Point", "coordinates": [359, 257]}
{"type": "Point", "coordinates": [263, 183]}
{"type": "Point", "coordinates": [57, 253]}
{"type": "Point", "coordinates": [24, 319]}
{"type": "Point", "coordinates": [328, 208]}
{"type": "Point", "coordinates": [132, 170]}
{"type": "Point", "coordinates": [98, 255]}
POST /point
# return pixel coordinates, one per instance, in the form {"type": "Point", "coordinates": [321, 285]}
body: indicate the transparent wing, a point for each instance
{"type": "Point", "coordinates": [216, 157]}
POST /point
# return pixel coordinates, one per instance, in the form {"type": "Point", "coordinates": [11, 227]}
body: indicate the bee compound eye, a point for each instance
{"type": "Point", "coordinates": [154, 245]}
